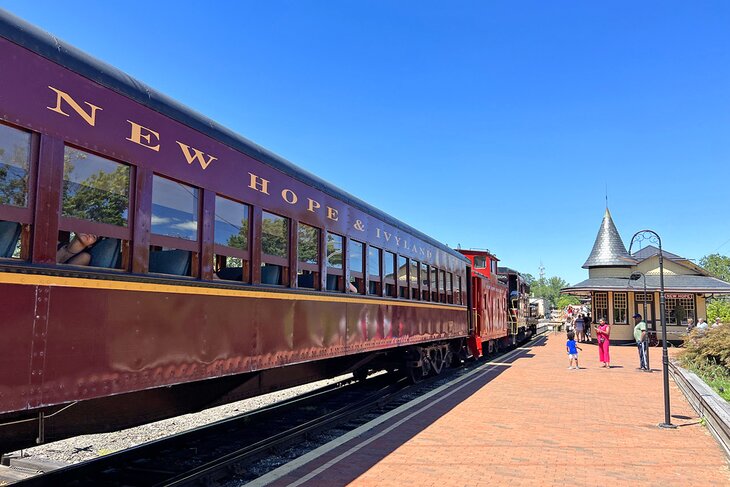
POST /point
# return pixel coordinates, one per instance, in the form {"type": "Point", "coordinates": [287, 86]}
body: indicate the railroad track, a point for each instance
{"type": "Point", "coordinates": [233, 441]}
{"type": "Point", "coordinates": [241, 448]}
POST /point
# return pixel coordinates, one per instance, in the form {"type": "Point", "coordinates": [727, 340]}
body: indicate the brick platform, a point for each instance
{"type": "Point", "coordinates": [529, 421]}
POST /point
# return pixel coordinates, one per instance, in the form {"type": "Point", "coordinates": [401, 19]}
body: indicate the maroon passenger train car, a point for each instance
{"type": "Point", "coordinates": [154, 263]}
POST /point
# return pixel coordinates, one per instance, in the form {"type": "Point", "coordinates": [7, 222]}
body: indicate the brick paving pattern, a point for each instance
{"type": "Point", "coordinates": [533, 423]}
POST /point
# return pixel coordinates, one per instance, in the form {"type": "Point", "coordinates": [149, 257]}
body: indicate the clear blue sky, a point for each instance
{"type": "Point", "coordinates": [485, 124]}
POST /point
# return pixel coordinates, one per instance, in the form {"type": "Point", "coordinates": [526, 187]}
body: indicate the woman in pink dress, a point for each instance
{"type": "Point", "coordinates": [603, 332]}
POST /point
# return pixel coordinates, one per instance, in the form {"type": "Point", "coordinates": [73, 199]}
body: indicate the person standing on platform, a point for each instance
{"type": "Point", "coordinates": [572, 349]}
{"type": "Point", "coordinates": [641, 341]}
{"type": "Point", "coordinates": [588, 321]}
{"type": "Point", "coordinates": [603, 333]}
{"type": "Point", "coordinates": [580, 328]}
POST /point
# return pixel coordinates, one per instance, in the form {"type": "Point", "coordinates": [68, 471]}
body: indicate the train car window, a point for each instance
{"type": "Point", "coordinates": [335, 269]}
{"type": "Point", "coordinates": [494, 266]}
{"type": "Point", "coordinates": [356, 253]}
{"type": "Point", "coordinates": [174, 228]}
{"type": "Point", "coordinates": [480, 261]}
{"type": "Point", "coordinates": [15, 216]}
{"type": "Point", "coordinates": [174, 209]}
{"type": "Point", "coordinates": [403, 287]}
{"type": "Point", "coordinates": [390, 278]}
{"type": "Point", "coordinates": [231, 258]}
{"type": "Point", "coordinates": [374, 276]}
{"type": "Point", "coordinates": [274, 249]}
{"type": "Point", "coordinates": [308, 257]}
{"type": "Point", "coordinates": [442, 286]}
{"type": "Point", "coordinates": [449, 288]}
{"type": "Point", "coordinates": [434, 284]}
{"type": "Point", "coordinates": [458, 298]}
{"type": "Point", "coordinates": [415, 281]}
{"type": "Point", "coordinates": [424, 280]}
{"type": "Point", "coordinates": [94, 225]}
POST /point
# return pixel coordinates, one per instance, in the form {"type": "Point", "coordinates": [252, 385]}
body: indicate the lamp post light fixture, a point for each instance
{"type": "Point", "coordinates": [652, 236]}
{"type": "Point", "coordinates": [635, 277]}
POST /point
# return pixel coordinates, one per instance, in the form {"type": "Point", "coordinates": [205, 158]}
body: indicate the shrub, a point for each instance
{"type": "Point", "coordinates": [711, 347]}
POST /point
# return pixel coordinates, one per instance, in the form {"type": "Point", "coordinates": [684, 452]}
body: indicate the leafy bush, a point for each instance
{"type": "Point", "coordinates": [707, 354]}
{"type": "Point", "coordinates": [709, 347]}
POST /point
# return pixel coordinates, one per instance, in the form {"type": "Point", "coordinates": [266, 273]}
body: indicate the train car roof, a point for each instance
{"type": "Point", "coordinates": [48, 46]}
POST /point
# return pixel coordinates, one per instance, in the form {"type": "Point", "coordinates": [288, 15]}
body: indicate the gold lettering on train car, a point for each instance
{"type": "Point", "coordinates": [387, 236]}
{"type": "Point", "coordinates": [144, 138]}
{"type": "Point", "coordinates": [359, 225]}
{"type": "Point", "coordinates": [89, 118]}
{"type": "Point", "coordinates": [196, 155]}
{"type": "Point", "coordinates": [332, 214]}
{"type": "Point", "coordinates": [259, 184]}
{"type": "Point", "coordinates": [397, 241]}
{"type": "Point", "coordinates": [292, 199]}
{"type": "Point", "coordinates": [313, 205]}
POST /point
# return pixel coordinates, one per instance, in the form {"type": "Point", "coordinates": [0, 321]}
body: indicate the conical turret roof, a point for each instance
{"type": "Point", "coordinates": [608, 250]}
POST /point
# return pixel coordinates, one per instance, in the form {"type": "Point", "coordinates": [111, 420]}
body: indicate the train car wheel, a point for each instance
{"type": "Point", "coordinates": [437, 360]}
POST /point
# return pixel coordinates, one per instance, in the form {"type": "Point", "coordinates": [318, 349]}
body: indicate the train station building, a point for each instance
{"type": "Point", "coordinates": [615, 296]}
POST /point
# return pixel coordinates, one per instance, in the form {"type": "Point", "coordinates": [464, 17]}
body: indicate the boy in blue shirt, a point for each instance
{"type": "Point", "coordinates": [572, 348]}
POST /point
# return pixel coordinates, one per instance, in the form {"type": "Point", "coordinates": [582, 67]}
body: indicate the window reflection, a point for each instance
{"type": "Point", "coordinates": [174, 209]}
{"type": "Point", "coordinates": [275, 235]}
{"type": "Point", "coordinates": [334, 251]}
{"type": "Point", "coordinates": [308, 245]}
{"type": "Point", "coordinates": [231, 223]}
{"type": "Point", "coordinates": [95, 188]}
{"type": "Point", "coordinates": [355, 256]}
{"type": "Point", "coordinates": [389, 265]}
{"type": "Point", "coordinates": [14, 160]}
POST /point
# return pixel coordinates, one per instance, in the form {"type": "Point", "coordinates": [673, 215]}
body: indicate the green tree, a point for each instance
{"type": "Point", "coordinates": [529, 279]}
{"type": "Point", "coordinates": [717, 265]}
{"type": "Point", "coordinates": [549, 289]}
{"type": "Point", "coordinates": [566, 300]}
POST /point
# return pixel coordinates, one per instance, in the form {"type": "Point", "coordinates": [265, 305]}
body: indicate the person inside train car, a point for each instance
{"type": "Point", "coordinates": [75, 252]}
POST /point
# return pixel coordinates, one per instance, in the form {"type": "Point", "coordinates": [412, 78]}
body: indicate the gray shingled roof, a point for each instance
{"type": "Point", "coordinates": [694, 284]}
{"type": "Point", "coordinates": [651, 251]}
{"type": "Point", "coordinates": [608, 250]}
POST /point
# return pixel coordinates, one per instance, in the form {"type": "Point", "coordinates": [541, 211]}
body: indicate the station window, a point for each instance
{"type": "Point", "coordinates": [390, 277]}
{"type": "Point", "coordinates": [679, 310]}
{"type": "Point", "coordinates": [356, 254]}
{"type": "Point", "coordinates": [620, 308]}
{"type": "Point", "coordinates": [374, 273]}
{"type": "Point", "coordinates": [231, 231]}
{"type": "Point", "coordinates": [414, 279]}
{"type": "Point", "coordinates": [480, 261]}
{"type": "Point", "coordinates": [94, 227]}
{"type": "Point", "coordinates": [274, 249]}
{"type": "Point", "coordinates": [403, 287]}
{"type": "Point", "coordinates": [424, 280]}
{"type": "Point", "coordinates": [600, 306]}
{"type": "Point", "coordinates": [15, 216]}
{"type": "Point", "coordinates": [449, 288]}
{"type": "Point", "coordinates": [335, 269]}
{"type": "Point", "coordinates": [434, 284]}
{"type": "Point", "coordinates": [308, 256]}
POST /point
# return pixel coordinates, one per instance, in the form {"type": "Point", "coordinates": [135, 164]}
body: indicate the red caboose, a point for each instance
{"type": "Point", "coordinates": [488, 304]}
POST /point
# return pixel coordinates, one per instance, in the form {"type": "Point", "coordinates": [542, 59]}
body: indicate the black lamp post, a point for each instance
{"type": "Point", "coordinates": [652, 236]}
{"type": "Point", "coordinates": [635, 277]}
